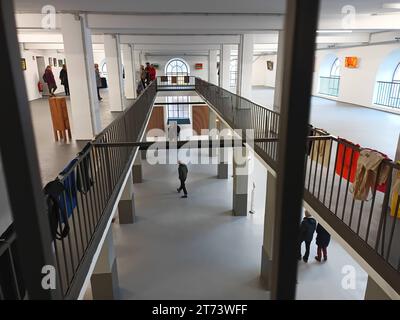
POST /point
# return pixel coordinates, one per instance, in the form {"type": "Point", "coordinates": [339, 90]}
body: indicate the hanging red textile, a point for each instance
{"type": "Point", "coordinates": [350, 156]}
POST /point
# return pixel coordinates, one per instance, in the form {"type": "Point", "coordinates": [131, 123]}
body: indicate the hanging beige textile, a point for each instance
{"type": "Point", "coordinates": [367, 170]}
{"type": "Point", "coordinates": [321, 149]}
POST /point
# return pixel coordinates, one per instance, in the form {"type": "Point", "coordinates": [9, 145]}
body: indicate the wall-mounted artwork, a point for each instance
{"type": "Point", "coordinates": [156, 66]}
{"type": "Point", "coordinates": [351, 62]}
{"type": "Point", "coordinates": [198, 66]}
{"type": "Point", "coordinates": [60, 62]}
{"type": "Point", "coordinates": [270, 65]}
{"type": "Point", "coordinates": [23, 64]}
{"type": "Point", "coordinates": [50, 61]}
{"type": "Point", "coordinates": [55, 62]}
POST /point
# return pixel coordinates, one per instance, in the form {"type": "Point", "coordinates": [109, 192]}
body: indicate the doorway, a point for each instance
{"type": "Point", "coordinates": [41, 66]}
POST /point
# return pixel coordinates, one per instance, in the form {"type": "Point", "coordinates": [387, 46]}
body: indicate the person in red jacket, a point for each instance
{"type": "Point", "coordinates": [48, 77]}
{"type": "Point", "coordinates": [152, 72]}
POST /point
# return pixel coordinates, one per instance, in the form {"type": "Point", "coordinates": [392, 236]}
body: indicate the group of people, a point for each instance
{"type": "Point", "coordinates": [307, 229]}
{"type": "Point", "coordinates": [48, 77]}
{"type": "Point", "coordinates": [147, 75]}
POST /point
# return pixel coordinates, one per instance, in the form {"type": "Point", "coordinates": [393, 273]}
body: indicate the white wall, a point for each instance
{"type": "Point", "coordinates": [31, 73]}
{"type": "Point", "coordinates": [356, 85]}
{"type": "Point", "coordinates": [261, 75]}
{"type": "Point", "coordinates": [191, 61]}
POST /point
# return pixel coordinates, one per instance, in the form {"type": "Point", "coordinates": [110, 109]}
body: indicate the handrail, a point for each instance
{"type": "Point", "coordinates": [369, 225]}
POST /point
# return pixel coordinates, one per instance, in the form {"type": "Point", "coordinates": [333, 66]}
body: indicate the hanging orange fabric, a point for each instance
{"type": "Point", "coordinates": [349, 163]}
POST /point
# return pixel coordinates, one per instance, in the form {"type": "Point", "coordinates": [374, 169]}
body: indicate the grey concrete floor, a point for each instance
{"type": "Point", "coordinates": [369, 128]}
{"type": "Point", "coordinates": [54, 156]}
{"type": "Point", "coordinates": [188, 248]}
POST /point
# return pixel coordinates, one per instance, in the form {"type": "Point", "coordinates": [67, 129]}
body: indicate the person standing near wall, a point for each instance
{"type": "Point", "coordinates": [48, 77]}
{"type": "Point", "coordinates": [64, 79]}
{"type": "Point", "coordinates": [98, 81]}
{"type": "Point", "coordinates": [152, 72]}
{"type": "Point", "coordinates": [182, 171]}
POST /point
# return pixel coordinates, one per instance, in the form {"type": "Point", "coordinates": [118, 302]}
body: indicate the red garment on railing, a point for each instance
{"type": "Point", "coordinates": [349, 164]}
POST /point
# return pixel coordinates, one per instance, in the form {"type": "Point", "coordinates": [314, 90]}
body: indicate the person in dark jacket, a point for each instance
{"type": "Point", "coordinates": [48, 77]}
{"type": "Point", "coordinates": [323, 239]}
{"type": "Point", "coordinates": [98, 81]}
{"type": "Point", "coordinates": [147, 71]}
{"type": "Point", "coordinates": [307, 229]}
{"type": "Point", "coordinates": [64, 79]}
{"type": "Point", "coordinates": [183, 171]}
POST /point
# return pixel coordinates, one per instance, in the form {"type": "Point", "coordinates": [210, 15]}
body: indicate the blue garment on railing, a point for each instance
{"type": "Point", "coordinates": [68, 200]}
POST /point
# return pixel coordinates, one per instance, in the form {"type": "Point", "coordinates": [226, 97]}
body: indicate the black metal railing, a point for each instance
{"type": "Point", "coordinates": [175, 82]}
{"type": "Point", "coordinates": [370, 225]}
{"type": "Point", "coordinates": [329, 86]}
{"type": "Point", "coordinates": [241, 113]}
{"type": "Point", "coordinates": [388, 94]}
{"type": "Point", "coordinates": [91, 184]}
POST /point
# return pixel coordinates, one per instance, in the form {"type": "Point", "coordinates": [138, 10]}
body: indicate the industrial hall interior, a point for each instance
{"type": "Point", "coordinates": [209, 150]}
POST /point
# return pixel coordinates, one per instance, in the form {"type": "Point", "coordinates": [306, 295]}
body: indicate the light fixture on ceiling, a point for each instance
{"type": "Point", "coordinates": [334, 31]}
{"type": "Point", "coordinates": [392, 5]}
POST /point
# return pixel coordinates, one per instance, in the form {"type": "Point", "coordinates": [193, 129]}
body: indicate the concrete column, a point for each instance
{"type": "Point", "coordinates": [137, 169]}
{"type": "Point", "coordinates": [104, 280]}
{"type": "Point", "coordinates": [279, 73]}
{"type": "Point", "coordinates": [112, 49]}
{"type": "Point", "coordinates": [212, 67]}
{"type": "Point", "coordinates": [212, 127]}
{"type": "Point", "coordinates": [374, 291]}
{"type": "Point", "coordinates": [240, 181]}
{"type": "Point", "coordinates": [126, 205]}
{"type": "Point", "coordinates": [267, 248]}
{"type": "Point", "coordinates": [130, 71]}
{"type": "Point", "coordinates": [222, 165]}
{"type": "Point", "coordinates": [224, 69]}
{"type": "Point", "coordinates": [245, 65]}
{"type": "Point", "coordinates": [78, 52]}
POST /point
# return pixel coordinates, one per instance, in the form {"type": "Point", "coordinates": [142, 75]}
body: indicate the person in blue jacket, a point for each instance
{"type": "Point", "coordinates": [307, 229]}
{"type": "Point", "coordinates": [323, 239]}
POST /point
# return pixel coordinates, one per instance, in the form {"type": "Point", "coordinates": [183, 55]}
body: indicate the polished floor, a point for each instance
{"type": "Point", "coordinates": [54, 156]}
{"type": "Point", "coordinates": [195, 249]}
{"type": "Point", "coordinates": [368, 127]}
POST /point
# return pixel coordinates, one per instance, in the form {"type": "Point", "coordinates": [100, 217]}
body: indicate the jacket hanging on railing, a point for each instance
{"type": "Point", "coordinates": [84, 180]}
{"type": "Point", "coordinates": [321, 149]}
{"type": "Point", "coordinates": [368, 165]}
{"type": "Point", "coordinates": [349, 163]}
{"type": "Point", "coordinates": [56, 214]}
{"type": "Point", "coordinates": [68, 198]}
{"type": "Point", "coordinates": [395, 196]}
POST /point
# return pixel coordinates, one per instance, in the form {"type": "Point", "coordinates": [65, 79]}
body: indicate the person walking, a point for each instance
{"type": "Point", "coordinates": [98, 81]}
{"type": "Point", "coordinates": [307, 229]}
{"type": "Point", "coordinates": [64, 79]}
{"type": "Point", "coordinates": [143, 76]}
{"type": "Point", "coordinates": [183, 171]}
{"type": "Point", "coordinates": [48, 77]}
{"type": "Point", "coordinates": [323, 240]}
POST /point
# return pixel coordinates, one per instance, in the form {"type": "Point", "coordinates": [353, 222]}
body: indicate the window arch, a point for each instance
{"type": "Point", "coordinates": [335, 69]}
{"type": "Point", "coordinates": [396, 74]}
{"type": "Point", "coordinates": [177, 67]}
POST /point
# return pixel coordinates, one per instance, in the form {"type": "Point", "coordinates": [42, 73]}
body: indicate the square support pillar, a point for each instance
{"type": "Point", "coordinates": [78, 51]}
{"type": "Point", "coordinates": [267, 248]}
{"type": "Point", "coordinates": [137, 169]}
{"type": "Point", "coordinates": [245, 65]}
{"type": "Point", "coordinates": [130, 71]}
{"type": "Point", "coordinates": [112, 49]}
{"type": "Point", "coordinates": [224, 69]}
{"type": "Point", "coordinates": [223, 164]}
{"type": "Point", "coordinates": [279, 72]}
{"type": "Point", "coordinates": [104, 280]}
{"type": "Point", "coordinates": [126, 205]}
{"type": "Point", "coordinates": [212, 67]}
{"type": "Point", "coordinates": [240, 181]}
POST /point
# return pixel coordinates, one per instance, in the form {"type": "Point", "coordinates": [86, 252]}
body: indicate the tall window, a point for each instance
{"type": "Point", "coordinates": [177, 67]}
{"type": "Point", "coordinates": [396, 74]}
{"type": "Point", "coordinates": [335, 69]}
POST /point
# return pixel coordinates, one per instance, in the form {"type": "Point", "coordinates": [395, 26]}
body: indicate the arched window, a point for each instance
{"type": "Point", "coordinates": [177, 67]}
{"type": "Point", "coordinates": [335, 69]}
{"type": "Point", "coordinates": [396, 74]}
